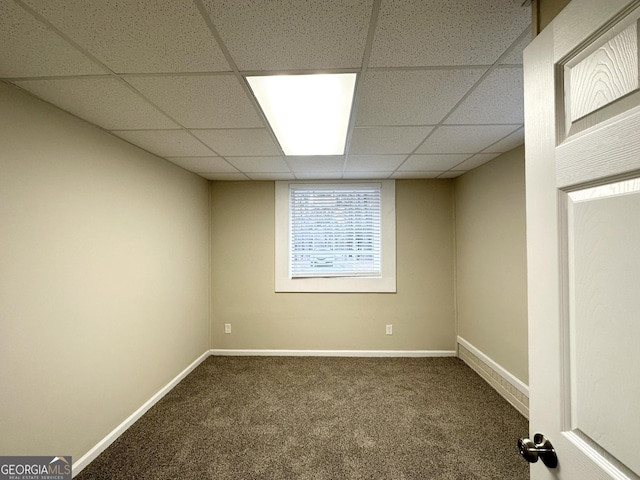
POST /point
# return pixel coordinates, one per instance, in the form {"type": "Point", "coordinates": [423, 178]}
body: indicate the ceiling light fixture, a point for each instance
{"type": "Point", "coordinates": [309, 114]}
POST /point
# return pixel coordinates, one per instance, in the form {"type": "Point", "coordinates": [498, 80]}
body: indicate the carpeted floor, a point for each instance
{"type": "Point", "coordinates": [322, 418]}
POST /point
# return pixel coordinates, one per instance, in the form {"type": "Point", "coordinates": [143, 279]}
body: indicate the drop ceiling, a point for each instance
{"type": "Point", "coordinates": [438, 91]}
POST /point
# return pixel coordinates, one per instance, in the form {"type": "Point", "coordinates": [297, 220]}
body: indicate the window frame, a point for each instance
{"type": "Point", "coordinates": [385, 283]}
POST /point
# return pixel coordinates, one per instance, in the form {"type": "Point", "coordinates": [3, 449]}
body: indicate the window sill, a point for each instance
{"type": "Point", "coordinates": [336, 285]}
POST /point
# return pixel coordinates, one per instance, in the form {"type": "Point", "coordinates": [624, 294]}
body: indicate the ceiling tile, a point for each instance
{"type": "Point", "coordinates": [290, 34]}
{"type": "Point", "coordinates": [166, 143]}
{"type": "Point", "coordinates": [322, 175]}
{"type": "Point", "coordinates": [414, 97]}
{"type": "Point", "coordinates": [386, 140]}
{"type": "Point", "coordinates": [432, 163]}
{"type": "Point", "coordinates": [105, 101]}
{"type": "Point", "coordinates": [515, 56]}
{"type": "Point", "coordinates": [425, 57]}
{"type": "Point", "coordinates": [316, 164]}
{"type": "Point", "coordinates": [260, 164]}
{"type": "Point", "coordinates": [446, 32]}
{"type": "Point", "coordinates": [476, 161]}
{"type": "Point", "coordinates": [227, 177]}
{"type": "Point", "coordinates": [401, 175]}
{"type": "Point", "coordinates": [498, 99]}
{"type": "Point", "coordinates": [30, 49]}
{"type": "Point", "coordinates": [453, 174]}
{"type": "Point", "coordinates": [201, 101]}
{"type": "Point", "coordinates": [360, 175]}
{"type": "Point", "coordinates": [239, 142]}
{"type": "Point", "coordinates": [508, 143]}
{"type": "Point", "coordinates": [464, 139]}
{"type": "Point", "coordinates": [271, 176]}
{"type": "Point", "coordinates": [141, 36]}
{"type": "Point", "coordinates": [204, 164]}
{"type": "Point", "coordinates": [373, 163]}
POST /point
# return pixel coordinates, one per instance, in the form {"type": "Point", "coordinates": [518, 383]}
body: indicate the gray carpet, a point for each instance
{"type": "Point", "coordinates": [322, 418]}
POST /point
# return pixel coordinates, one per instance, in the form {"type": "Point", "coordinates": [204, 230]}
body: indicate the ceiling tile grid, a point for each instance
{"type": "Point", "coordinates": [476, 161]}
{"type": "Point", "coordinates": [166, 143]}
{"type": "Point", "coordinates": [387, 140]}
{"type": "Point", "coordinates": [204, 165]}
{"type": "Point", "coordinates": [270, 176]}
{"type": "Point", "coordinates": [292, 34]}
{"type": "Point", "coordinates": [161, 36]}
{"type": "Point", "coordinates": [465, 138]}
{"type": "Point", "coordinates": [227, 177]}
{"type": "Point", "coordinates": [31, 49]}
{"type": "Point", "coordinates": [265, 165]}
{"type": "Point", "coordinates": [507, 143]}
{"type": "Point", "coordinates": [446, 32]}
{"type": "Point", "coordinates": [105, 101]}
{"type": "Point", "coordinates": [414, 97]}
{"type": "Point", "coordinates": [309, 165]}
{"type": "Point", "coordinates": [439, 88]}
{"type": "Point", "coordinates": [373, 163]}
{"type": "Point", "coordinates": [514, 57]}
{"type": "Point", "coordinates": [366, 175]}
{"type": "Point", "coordinates": [452, 174]}
{"type": "Point", "coordinates": [200, 101]}
{"type": "Point", "coordinates": [328, 175]}
{"type": "Point", "coordinates": [494, 100]}
{"type": "Point", "coordinates": [399, 175]}
{"type": "Point", "coordinates": [239, 142]}
{"type": "Point", "coordinates": [433, 163]}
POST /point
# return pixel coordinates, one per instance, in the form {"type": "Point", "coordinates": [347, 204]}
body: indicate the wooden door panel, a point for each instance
{"type": "Point", "coordinates": [603, 73]}
{"type": "Point", "coordinates": [604, 301]}
{"type": "Point", "coordinates": [582, 117]}
{"type": "Point", "coordinates": [597, 99]}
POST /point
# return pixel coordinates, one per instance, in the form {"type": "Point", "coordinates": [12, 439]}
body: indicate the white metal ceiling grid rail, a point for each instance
{"type": "Point", "coordinates": [240, 75]}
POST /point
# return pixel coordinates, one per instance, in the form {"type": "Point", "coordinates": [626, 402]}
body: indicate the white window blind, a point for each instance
{"type": "Point", "coordinates": [335, 230]}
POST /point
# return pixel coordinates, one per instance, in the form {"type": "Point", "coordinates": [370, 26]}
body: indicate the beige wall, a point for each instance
{"type": "Point", "coordinates": [421, 311]}
{"type": "Point", "coordinates": [103, 278]}
{"type": "Point", "coordinates": [491, 261]}
{"type": "Point", "coordinates": [104, 275]}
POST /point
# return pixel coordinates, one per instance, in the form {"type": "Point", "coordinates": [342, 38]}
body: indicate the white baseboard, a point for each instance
{"type": "Point", "coordinates": [120, 429]}
{"type": "Point", "coordinates": [505, 383]}
{"type": "Point", "coordinates": [333, 353]}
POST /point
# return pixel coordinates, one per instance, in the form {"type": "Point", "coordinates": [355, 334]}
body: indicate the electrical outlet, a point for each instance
{"type": "Point", "coordinates": [227, 328]}
{"type": "Point", "coordinates": [389, 329]}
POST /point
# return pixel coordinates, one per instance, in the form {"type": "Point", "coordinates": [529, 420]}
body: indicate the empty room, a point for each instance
{"type": "Point", "coordinates": [291, 239]}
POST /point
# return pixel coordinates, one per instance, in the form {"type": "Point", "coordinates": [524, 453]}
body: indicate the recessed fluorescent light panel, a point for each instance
{"type": "Point", "coordinates": [309, 114]}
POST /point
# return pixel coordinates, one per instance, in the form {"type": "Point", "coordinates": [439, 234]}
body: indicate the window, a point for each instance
{"type": "Point", "coordinates": [335, 237]}
{"type": "Point", "coordinates": [334, 230]}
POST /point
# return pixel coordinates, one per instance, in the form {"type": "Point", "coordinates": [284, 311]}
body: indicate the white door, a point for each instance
{"type": "Point", "coordinates": [582, 123]}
